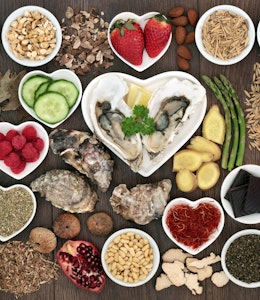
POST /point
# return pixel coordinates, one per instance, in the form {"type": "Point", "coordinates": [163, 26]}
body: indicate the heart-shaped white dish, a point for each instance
{"type": "Point", "coordinates": [151, 84]}
{"type": "Point", "coordinates": [34, 205]}
{"type": "Point", "coordinates": [30, 166]}
{"type": "Point", "coordinates": [142, 20]}
{"type": "Point", "coordinates": [59, 74]}
{"type": "Point", "coordinates": [192, 205]}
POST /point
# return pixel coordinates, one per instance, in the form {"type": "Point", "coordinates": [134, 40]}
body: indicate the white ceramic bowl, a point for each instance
{"type": "Point", "coordinates": [198, 35]}
{"type": "Point", "coordinates": [156, 256]}
{"type": "Point", "coordinates": [249, 219]}
{"type": "Point", "coordinates": [59, 74]}
{"type": "Point", "coordinates": [223, 258]}
{"type": "Point", "coordinates": [20, 12]}
{"type": "Point", "coordinates": [30, 166]}
{"type": "Point", "coordinates": [193, 204]}
{"type": "Point", "coordinates": [142, 20]}
{"type": "Point", "coordinates": [6, 238]}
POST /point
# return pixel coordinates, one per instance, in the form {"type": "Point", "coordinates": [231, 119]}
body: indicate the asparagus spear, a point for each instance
{"type": "Point", "coordinates": [234, 148]}
{"type": "Point", "coordinates": [241, 120]}
{"type": "Point", "coordinates": [219, 96]}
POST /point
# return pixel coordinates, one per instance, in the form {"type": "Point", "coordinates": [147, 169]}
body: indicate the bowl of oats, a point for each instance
{"type": "Point", "coordinates": [225, 34]}
{"type": "Point", "coordinates": [31, 36]}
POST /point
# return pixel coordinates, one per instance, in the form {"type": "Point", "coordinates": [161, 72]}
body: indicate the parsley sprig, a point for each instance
{"type": "Point", "coordinates": [139, 122]}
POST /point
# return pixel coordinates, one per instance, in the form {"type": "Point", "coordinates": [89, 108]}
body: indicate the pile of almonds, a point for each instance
{"type": "Point", "coordinates": [183, 37]}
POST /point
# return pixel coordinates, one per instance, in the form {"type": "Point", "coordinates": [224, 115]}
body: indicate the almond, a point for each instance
{"type": "Point", "coordinates": [184, 52]}
{"type": "Point", "coordinates": [190, 38]}
{"type": "Point", "coordinates": [192, 16]}
{"type": "Point", "coordinates": [180, 21]}
{"type": "Point", "coordinates": [183, 63]}
{"type": "Point", "coordinates": [176, 11]}
{"type": "Point", "coordinates": [180, 35]}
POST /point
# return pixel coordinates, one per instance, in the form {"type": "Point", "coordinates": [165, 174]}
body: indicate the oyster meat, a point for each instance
{"type": "Point", "coordinates": [170, 106]}
{"type": "Point", "coordinates": [85, 153]}
{"type": "Point", "coordinates": [66, 190]}
{"type": "Point", "coordinates": [142, 203]}
{"type": "Point", "coordinates": [107, 110]}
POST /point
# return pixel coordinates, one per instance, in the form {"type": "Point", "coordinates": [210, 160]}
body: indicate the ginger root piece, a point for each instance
{"type": "Point", "coordinates": [214, 126]}
{"type": "Point", "coordinates": [175, 254]}
{"type": "Point", "coordinates": [201, 144]}
{"type": "Point", "coordinates": [219, 279]}
{"type": "Point", "coordinates": [206, 261]}
{"type": "Point", "coordinates": [186, 181]}
{"type": "Point", "coordinates": [193, 284]}
{"type": "Point", "coordinates": [175, 272]}
{"type": "Point", "coordinates": [203, 273]}
{"type": "Point", "coordinates": [208, 175]}
{"type": "Point", "coordinates": [162, 282]}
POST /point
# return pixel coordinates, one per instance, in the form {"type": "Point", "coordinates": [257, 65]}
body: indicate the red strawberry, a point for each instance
{"type": "Point", "coordinates": [157, 31]}
{"type": "Point", "coordinates": [128, 40]}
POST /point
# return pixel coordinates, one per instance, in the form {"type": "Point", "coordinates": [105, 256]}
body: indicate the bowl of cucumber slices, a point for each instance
{"type": "Point", "coordinates": [50, 98]}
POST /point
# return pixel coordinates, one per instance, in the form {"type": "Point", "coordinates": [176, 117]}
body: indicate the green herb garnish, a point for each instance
{"type": "Point", "coordinates": [139, 122]}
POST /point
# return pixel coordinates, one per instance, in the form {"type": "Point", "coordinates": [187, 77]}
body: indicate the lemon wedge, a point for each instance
{"type": "Point", "coordinates": [137, 95]}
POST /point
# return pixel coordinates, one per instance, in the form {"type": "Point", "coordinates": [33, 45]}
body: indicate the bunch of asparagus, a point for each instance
{"type": "Point", "coordinates": [233, 149]}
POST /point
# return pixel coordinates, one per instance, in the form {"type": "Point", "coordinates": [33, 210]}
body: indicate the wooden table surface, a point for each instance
{"type": "Point", "coordinates": [240, 75]}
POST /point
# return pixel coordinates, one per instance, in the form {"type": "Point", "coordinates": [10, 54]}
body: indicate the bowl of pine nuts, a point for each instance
{"type": "Point", "coordinates": [31, 36]}
{"type": "Point", "coordinates": [130, 257]}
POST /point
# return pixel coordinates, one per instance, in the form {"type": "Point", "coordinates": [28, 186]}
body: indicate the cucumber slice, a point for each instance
{"type": "Point", "coordinates": [66, 88]}
{"type": "Point", "coordinates": [30, 86]}
{"type": "Point", "coordinates": [41, 89]}
{"type": "Point", "coordinates": [51, 107]}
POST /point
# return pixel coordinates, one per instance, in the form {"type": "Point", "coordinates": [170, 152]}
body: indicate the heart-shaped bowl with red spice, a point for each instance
{"type": "Point", "coordinates": [193, 225]}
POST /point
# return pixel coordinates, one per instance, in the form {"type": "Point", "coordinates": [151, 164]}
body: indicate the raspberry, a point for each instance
{"type": "Point", "coordinates": [12, 160]}
{"type": "Point", "coordinates": [2, 137]}
{"type": "Point", "coordinates": [5, 149]}
{"type": "Point", "coordinates": [38, 143]}
{"type": "Point", "coordinates": [18, 142]}
{"type": "Point", "coordinates": [29, 153]}
{"type": "Point", "coordinates": [29, 132]}
{"type": "Point", "coordinates": [10, 134]}
{"type": "Point", "coordinates": [20, 168]}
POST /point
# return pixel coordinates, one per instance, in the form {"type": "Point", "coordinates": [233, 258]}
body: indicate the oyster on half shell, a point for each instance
{"type": "Point", "coordinates": [107, 110]}
{"type": "Point", "coordinates": [170, 106]}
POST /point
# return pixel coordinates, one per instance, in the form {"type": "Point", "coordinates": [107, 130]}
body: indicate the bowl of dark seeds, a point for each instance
{"type": "Point", "coordinates": [240, 258]}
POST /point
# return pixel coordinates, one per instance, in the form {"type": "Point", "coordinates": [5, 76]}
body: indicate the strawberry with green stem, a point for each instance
{"type": "Point", "coordinates": [157, 32]}
{"type": "Point", "coordinates": [128, 40]}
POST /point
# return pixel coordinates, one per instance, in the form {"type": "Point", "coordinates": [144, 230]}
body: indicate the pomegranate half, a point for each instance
{"type": "Point", "coordinates": [80, 261]}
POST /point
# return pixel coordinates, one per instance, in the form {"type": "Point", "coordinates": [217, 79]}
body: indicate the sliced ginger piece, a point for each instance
{"type": "Point", "coordinates": [186, 181]}
{"type": "Point", "coordinates": [189, 160]}
{"type": "Point", "coordinates": [208, 175]}
{"type": "Point", "coordinates": [162, 282]}
{"type": "Point", "coordinates": [175, 254]}
{"type": "Point", "coordinates": [214, 126]}
{"type": "Point", "coordinates": [201, 144]}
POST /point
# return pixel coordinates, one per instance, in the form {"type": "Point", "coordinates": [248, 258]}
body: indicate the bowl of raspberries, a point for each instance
{"type": "Point", "coordinates": [23, 147]}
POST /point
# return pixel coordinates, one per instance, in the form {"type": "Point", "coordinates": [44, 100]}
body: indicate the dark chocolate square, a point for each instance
{"type": "Point", "coordinates": [237, 196]}
{"type": "Point", "coordinates": [252, 201]}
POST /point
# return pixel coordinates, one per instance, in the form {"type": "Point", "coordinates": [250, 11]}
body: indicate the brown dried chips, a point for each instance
{"type": "Point", "coordinates": [84, 45]}
{"type": "Point", "coordinates": [225, 34]}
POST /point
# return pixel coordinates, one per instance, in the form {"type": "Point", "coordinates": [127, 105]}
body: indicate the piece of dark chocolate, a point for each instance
{"type": "Point", "coordinates": [237, 198]}
{"type": "Point", "coordinates": [252, 201]}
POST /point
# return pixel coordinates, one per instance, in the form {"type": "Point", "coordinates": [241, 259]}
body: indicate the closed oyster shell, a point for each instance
{"type": "Point", "coordinates": [66, 190]}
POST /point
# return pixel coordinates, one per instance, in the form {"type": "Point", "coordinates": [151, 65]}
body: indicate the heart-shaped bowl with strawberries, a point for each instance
{"type": "Point", "coordinates": [10, 144]}
{"type": "Point", "coordinates": [59, 75]}
{"type": "Point", "coordinates": [193, 225]}
{"type": "Point", "coordinates": [18, 208]}
{"type": "Point", "coordinates": [141, 20]}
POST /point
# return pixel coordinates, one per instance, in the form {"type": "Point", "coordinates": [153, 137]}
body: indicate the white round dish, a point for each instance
{"type": "Point", "coordinates": [6, 238]}
{"type": "Point", "coordinates": [30, 166]}
{"type": "Point", "coordinates": [156, 256]}
{"type": "Point", "coordinates": [223, 258]}
{"type": "Point", "coordinates": [193, 204]}
{"type": "Point", "coordinates": [258, 34]}
{"type": "Point", "coordinates": [249, 219]}
{"type": "Point", "coordinates": [198, 35]}
{"type": "Point", "coordinates": [151, 84]}
{"type": "Point", "coordinates": [142, 20]}
{"type": "Point", "coordinates": [59, 74]}
{"type": "Point", "coordinates": [20, 12]}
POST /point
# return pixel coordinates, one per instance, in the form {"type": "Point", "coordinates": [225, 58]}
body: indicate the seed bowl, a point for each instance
{"type": "Point", "coordinates": [122, 235]}
{"type": "Point", "coordinates": [20, 13]}
{"type": "Point", "coordinates": [199, 36]}
{"type": "Point", "coordinates": [233, 238]}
